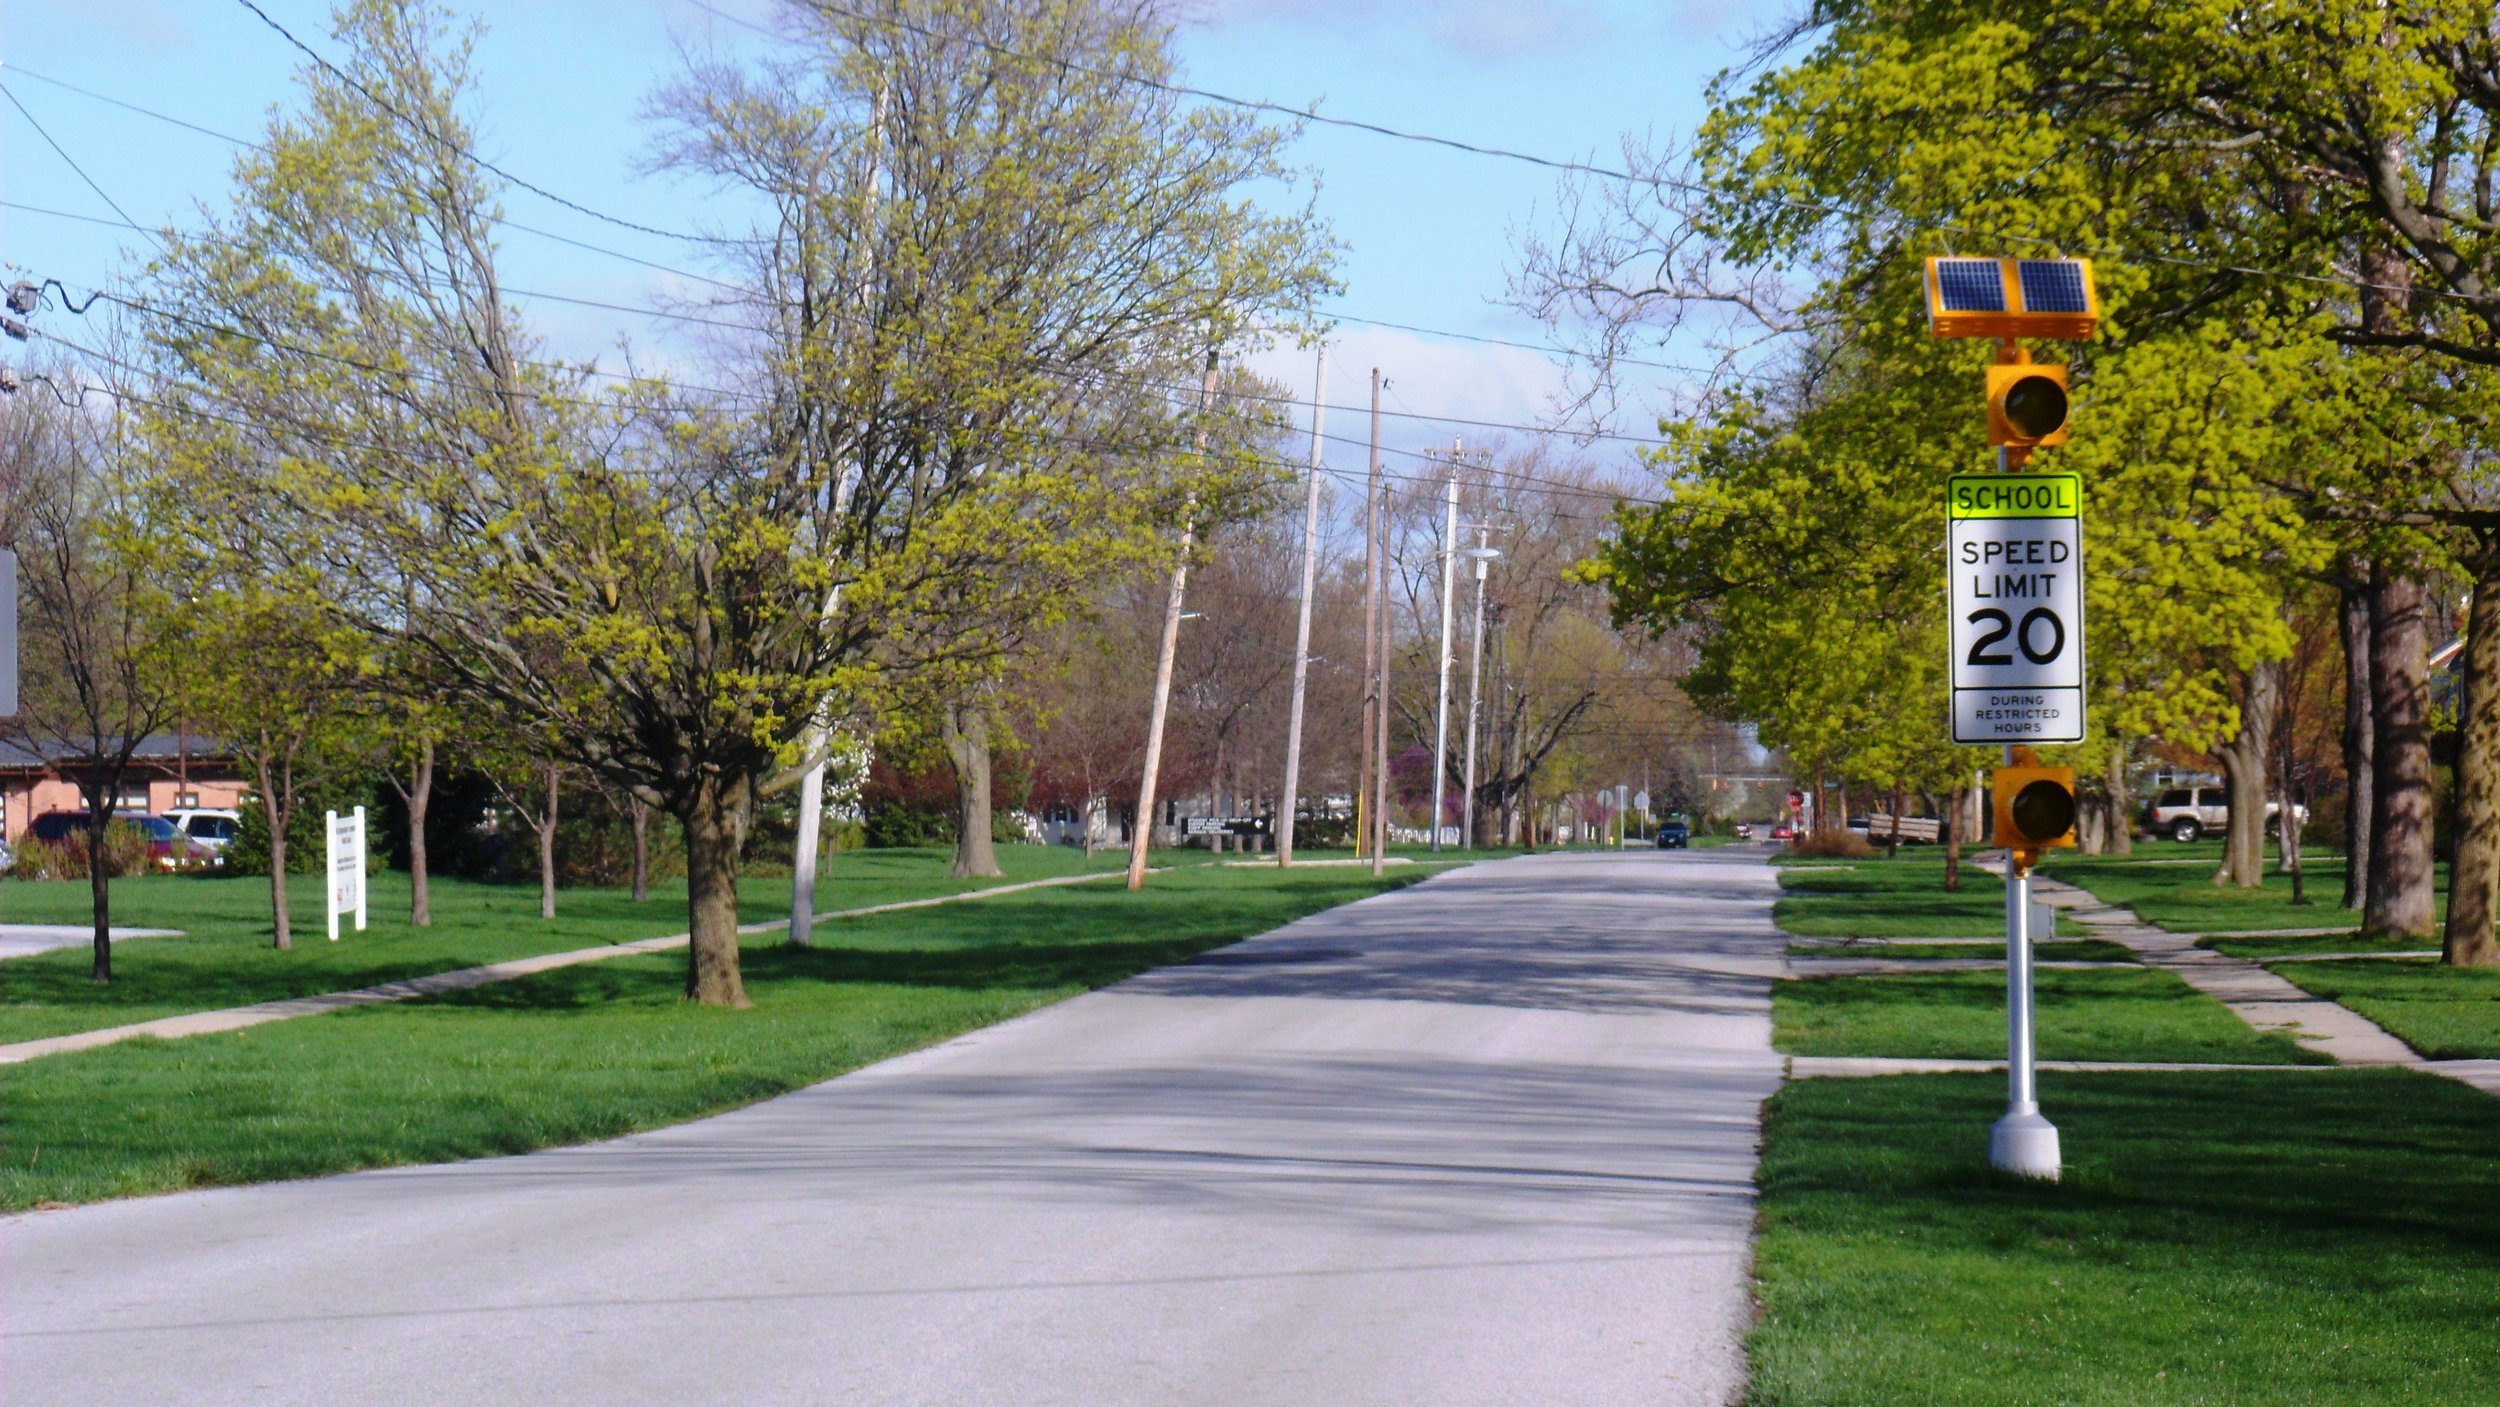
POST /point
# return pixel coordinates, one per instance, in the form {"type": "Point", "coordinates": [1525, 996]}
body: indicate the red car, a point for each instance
{"type": "Point", "coordinates": [168, 847]}
{"type": "Point", "coordinates": [1783, 832]}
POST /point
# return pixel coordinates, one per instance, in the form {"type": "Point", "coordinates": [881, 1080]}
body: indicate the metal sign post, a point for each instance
{"type": "Point", "coordinates": [2022, 1142]}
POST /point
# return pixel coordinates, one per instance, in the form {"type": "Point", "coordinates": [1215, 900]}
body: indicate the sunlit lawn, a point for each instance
{"type": "Point", "coordinates": [2223, 1240]}
{"type": "Point", "coordinates": [1903, 897]}
{"type": "Point", "coordinates": [225, 957]}
{"type": "Point", "coordinates": [594, 1051]}
{"type": "Point", "coordinates": [2446, 1013]}
{"type": "Point", "coordinates": [2111, 1014]}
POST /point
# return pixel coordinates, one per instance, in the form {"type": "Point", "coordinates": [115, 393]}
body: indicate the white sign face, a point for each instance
{"type": "Point", "coordinates": [347, 869]}
{"type": "Point", "coordinates": [2015, 559]}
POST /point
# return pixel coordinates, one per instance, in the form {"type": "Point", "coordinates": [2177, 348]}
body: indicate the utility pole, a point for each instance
{"type": "Point", "coordinates": [1302, 631]}
{"type": "Point", "coordinates": [1171, 648]}
{"type": "Point", "coordinates": [1380, 621]}
{"type": "Point", "coordinates": [820, 729]}
{"type": "Point", "coordinates": [1441, 700]}
{"type": "Point", "coordinates": [1371, 632]}
{"type": "Point", "coordinates": [1482, 556]}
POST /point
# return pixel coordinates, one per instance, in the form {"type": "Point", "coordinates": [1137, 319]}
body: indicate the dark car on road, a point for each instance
{"type": "Point", "coordinates": [1674, 835]}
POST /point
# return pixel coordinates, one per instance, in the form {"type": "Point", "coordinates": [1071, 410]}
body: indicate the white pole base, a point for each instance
{"type": "Point", "coordinates": [2025, 1145]}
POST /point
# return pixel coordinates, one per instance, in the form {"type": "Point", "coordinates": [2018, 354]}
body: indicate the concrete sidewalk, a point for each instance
{"type": "Point", "coordinates": [1486, 1140]}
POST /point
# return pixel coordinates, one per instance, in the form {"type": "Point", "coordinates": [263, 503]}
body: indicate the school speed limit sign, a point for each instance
{"type": "Point", "coordinates": [2015, 544]}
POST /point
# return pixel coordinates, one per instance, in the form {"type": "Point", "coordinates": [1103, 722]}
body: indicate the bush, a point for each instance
{"type": "Point", "coordinates": [125, 853]}
{"type": "Point", "coordinates": [1838, 845]}
{"type": "Point", "coordinates": [307, 843]}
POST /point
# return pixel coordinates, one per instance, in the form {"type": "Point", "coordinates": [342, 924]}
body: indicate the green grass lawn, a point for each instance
{"type": "Point", "coordinates": [2447, 1013]}
{"type": "Point", "coordinates": [1898, 898]}
{"type": "Point", "coordinates": [2222, 1240]}
{"type": "Point", "coordinates": [2089, 1015]}
{"type": "Point", "coordinates": [2184, 898]}
{"type": "Point", "coordinates": [225, 958]}
{"type": "Point", "coordinates": [2077, 950]}
{"type": "Point", "coordinates": [592, 1052]}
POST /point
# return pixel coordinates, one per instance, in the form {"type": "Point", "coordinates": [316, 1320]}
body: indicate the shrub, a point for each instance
{"type": "Point", "coordinates": [125, 853]}
{"type": "Point", "coordinates": [1839, 844]}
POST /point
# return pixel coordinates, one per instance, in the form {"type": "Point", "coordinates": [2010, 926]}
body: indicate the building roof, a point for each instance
{"type": "Point", "coordinates": [23, 753]}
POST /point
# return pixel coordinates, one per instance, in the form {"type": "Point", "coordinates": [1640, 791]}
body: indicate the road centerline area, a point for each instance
{"type": "Point", "coordinates": [1487, 1139]}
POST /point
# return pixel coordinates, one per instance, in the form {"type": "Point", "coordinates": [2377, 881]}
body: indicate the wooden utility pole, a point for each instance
{"type": "Point", "coordinates": [1302, 632]}
{"type": "Point", "coordinates": [1171, 648]}
{"type": "Point", "coordinates": [1380, 594]}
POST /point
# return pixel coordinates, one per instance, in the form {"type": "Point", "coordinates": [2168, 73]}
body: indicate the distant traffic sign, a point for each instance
{"type": "Point", "coordinates": [2015, 548]}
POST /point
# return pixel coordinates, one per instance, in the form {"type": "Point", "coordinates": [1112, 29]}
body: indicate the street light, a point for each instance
{"type": "Point", "coordinates": [1482, 556]}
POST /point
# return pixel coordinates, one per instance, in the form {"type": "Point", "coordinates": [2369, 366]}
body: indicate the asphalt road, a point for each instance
{"type": "Point", "coordinates": [1486, 1140]}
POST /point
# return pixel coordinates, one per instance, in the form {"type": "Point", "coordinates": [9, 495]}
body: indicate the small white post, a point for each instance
{"type": "Point", "coordinates": [330, 867]}
{"type": "Point", "coordinates": [361, 885]}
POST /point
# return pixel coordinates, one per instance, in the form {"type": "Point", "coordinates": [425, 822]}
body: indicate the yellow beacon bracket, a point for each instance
{"type": "Point", "coordinates": [2011, 298]}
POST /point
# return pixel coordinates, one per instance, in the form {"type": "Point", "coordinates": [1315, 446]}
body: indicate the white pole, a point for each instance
{"type": "Point", "coordinates": [361, 870]}
{"type": "Point", "coordinates": [1441, 704]}
{"type": "Point", "coordinates": [1140, 842]}
{"type": "Point", "coordinates": [820, 733]}
{"type": "Point", "coordinates": [1475, 680]}
{"type": "Point", "coordinates": [330, 868]}
{"type": "Point", "coordinates": [1302, 632]}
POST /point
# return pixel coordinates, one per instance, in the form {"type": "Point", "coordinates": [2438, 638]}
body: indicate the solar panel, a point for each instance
{"type": "Point", "coordinates": [2052, 286]}
{"type": "Point", "coordinates": [1970, 285]}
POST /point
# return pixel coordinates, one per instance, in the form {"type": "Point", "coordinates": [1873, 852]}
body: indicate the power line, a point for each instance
{"type": "Point", "coordinates": [466, 153]}
{"type": "Point", "coordinates": [74, 166]}
{"type": "Point", "coordinates": [1541, 348]}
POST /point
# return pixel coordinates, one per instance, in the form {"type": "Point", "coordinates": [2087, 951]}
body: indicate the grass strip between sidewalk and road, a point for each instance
{"type": "Point", "coordinates": [1898, 898]}
{"type": "Point", "coordinates": [2089, 1015]}
{"type": "Point", "coordinates": [2076, 950]}
{"type": "Point", "coordinates": [593, 1052]}
{"type": "Point", "coordinates": [2219, 1239]}
{"type": "Point", "coordinates": [2349, 941]}
{"type": "Point", "coordinates": [224, 958]}
{"type": "Point", "coordinates": [2446, 1013]}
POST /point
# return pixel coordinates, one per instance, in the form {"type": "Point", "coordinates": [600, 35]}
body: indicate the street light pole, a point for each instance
{"type": "Point", "coordinates": [1302, 632]}
{"type": "Point", "coordinates": [1483, 557]}
{"type": "Point", "coordinates": [1441, 701]}
{"type": "Point", "coordinates": [1163, 661]}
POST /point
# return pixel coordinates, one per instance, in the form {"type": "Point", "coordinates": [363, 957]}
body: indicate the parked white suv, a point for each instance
{"type": "Point", "coordinates": [2184, 813]}
{"type": "Point", "coordinates": [210, 828]}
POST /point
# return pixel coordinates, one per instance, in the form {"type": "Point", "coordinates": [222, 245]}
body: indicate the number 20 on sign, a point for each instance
{"type": "Point", "coordinates": [2015, 544]}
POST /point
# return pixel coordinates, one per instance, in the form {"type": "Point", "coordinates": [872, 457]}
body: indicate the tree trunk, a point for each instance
{"type": "Point", "coordinates": [420, 793]}
{"type": "Point", "coordinates": [2121, 838]}
{"type": "Point", "coordinates": [1953, 843]}
{"type": "Point", "coordinates": [100, 891]}
{"type": "Point", "coordinates": [280, 924]}
{"type": "Point", "coordinates": [1892, 844]}
{"type": "Point", "coordinates": [967, 731]}
{"type": "Point", "coordinates": [2359, 733]}
{"type": "Point", "coordinates": [547, 847]}
{"type": "Point", "coordinates": [712, 835]}
{"type": "Point", "coordinates": [2474, 873]}
{"type": "Point", "coordinates": [638, 815]}
{"type": "Point", "coordinates": [2244, 774]}
{"type": "Point", "coordinates": [2402, 900]}
{"type": "Point", "coordinates": [274, 809]}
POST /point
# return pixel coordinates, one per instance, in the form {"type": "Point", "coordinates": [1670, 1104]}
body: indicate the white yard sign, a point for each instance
{"type": "Point", "coordinates": [347, 869]}
{"type": "Point", "coordinates": [2015, 549]}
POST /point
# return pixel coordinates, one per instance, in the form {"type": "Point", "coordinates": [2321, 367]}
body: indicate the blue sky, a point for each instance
{"type": "Point", "coordinates": [1430, 232]}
